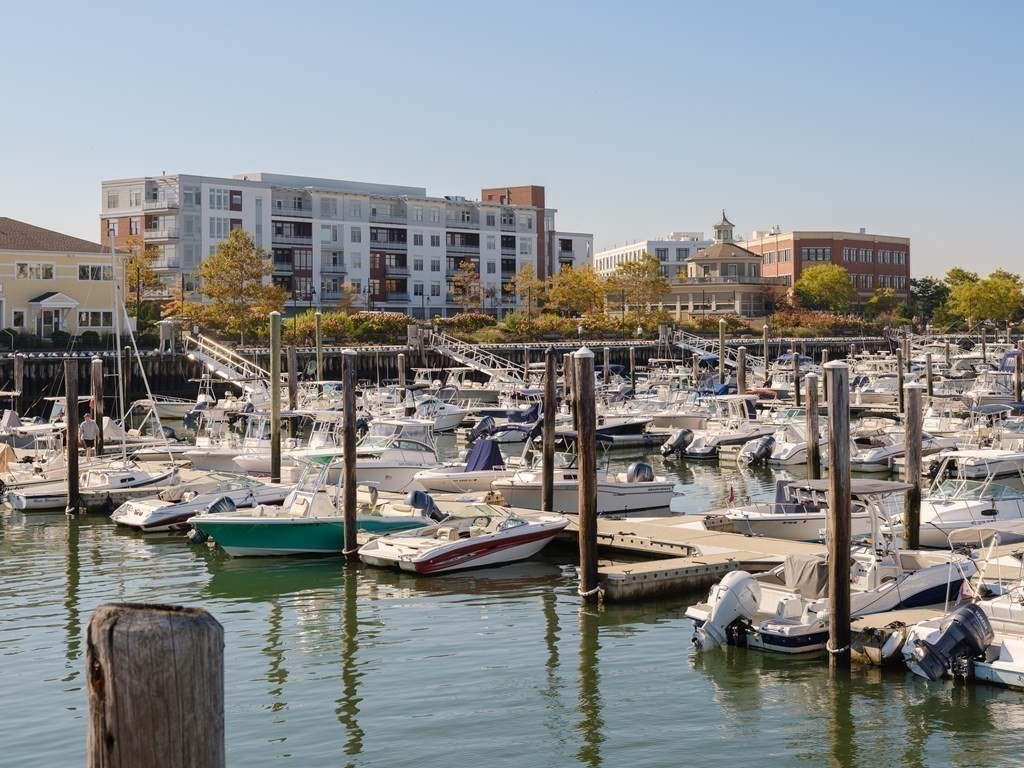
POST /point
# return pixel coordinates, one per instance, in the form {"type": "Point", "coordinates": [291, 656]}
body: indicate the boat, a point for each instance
{"type": "Point", "coordinates": [97, 485]}
{"type": "Point", "coordinates": [786, 608]}
{"type": "Point", "coordinates": [879, 450]}
{"type": "Point", "coordinates": [310, 521]}
{"type": "Point", "coordinates": [477, 535]}
{"type": "Point", "coordinates": [735, 423]}
{"type": "Point", "coordinates": [173, 508]}
{"type": "Point", "coordinates": [635, 490]}
{"type": "Point", "coordinates": [483, 464]}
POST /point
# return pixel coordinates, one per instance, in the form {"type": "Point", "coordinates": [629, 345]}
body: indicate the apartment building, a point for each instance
{"type": "Point", "coordinates": [673, 251]}
{"type": "Point", "coordinates": [873, 261]}
{"type": "Point", "coordinates": [571, 250]}
{"type": "Point", "coordinates": [51, 282]}
{"type": "Point", "coordinates": [397, 246]}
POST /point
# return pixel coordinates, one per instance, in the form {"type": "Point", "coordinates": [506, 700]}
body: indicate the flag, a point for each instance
{"type": "Point", "coordinates": [732, 495]}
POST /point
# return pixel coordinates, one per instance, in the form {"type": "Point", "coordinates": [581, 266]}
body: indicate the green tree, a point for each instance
{"type": "Point", "coordinates": [640, 282]}
{"type": "Point", "coordinates": [141, 281]}
{"type": "Point", "coordinates": [998, 299]}
{"type": "Point", "coordinates": [825, 286]}
{"type": "Point", "coordinates": [576, 291]}
{"type": "Point", "coordinates": [349, 299]}
{"type": "Point", "coordinates": [234, 280]}
{"type": "Point", "coordinates": [957, 276]}
{"type": "Point", "coordinates": [467, 287]}
{"type": "Point", "coordinates": [882, 302]}
{"type": "Point", "coordinates": [927, 295]}
{"type": "Point", "coordinates": [528, 288]}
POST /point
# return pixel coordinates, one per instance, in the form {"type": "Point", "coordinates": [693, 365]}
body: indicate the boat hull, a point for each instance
{"type": "Point", "coordinates": [612, 498]}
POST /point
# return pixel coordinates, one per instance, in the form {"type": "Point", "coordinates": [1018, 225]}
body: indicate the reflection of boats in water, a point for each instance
{"type": "Point", "coordinates": [250, 580]}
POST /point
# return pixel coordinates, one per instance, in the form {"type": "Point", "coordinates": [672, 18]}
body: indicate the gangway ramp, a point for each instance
{"type": "Point", "coordinates": [230, 366]}
{"type": "Point", "coordinates": [496, 368]}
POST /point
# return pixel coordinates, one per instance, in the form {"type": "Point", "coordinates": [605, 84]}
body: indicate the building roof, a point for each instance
{"type": "Point", "coordinates": [724, 251]}
{"type": "Point", "coordinates": [19, 236]}
{"type": "Point", "coordinates": [724, 222]}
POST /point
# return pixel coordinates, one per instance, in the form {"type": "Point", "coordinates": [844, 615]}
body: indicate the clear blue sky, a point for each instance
{"type": "Point", "coordinates": [639, 118]}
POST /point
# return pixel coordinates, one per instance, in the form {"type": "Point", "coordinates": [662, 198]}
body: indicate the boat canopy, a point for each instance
{"type": "Point", "coordinates": [485, 454]}
{"type": "Point", "coordinates": [859, 486]}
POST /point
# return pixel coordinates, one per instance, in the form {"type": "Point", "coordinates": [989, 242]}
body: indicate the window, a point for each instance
{"type": "Point", "coordinates": [417, 289]}
{"type": "Point", "coordinates": [18, 318]}
{"type": "Point", "coordinates": [95, 319]}
{"type": "Point", "coordinates": [219, 227]}
{"type": "Point", "coordinates": [355, 210]}
{"type": "Point", "coordinates": [417, 239]}
{"type": "Point", "coordinates": [192, 196]}
{"type": "Point", "coordinates": [357, 261]}
{"type": "Point", "coordinates": [491, 267]}
{"type": "Point", "coordinates": [328, 207]}
{"type": "Point", "coordinates": [236, 199]}
{"type": "Point", "coordinates": [328, 233]}
{"type": "Point", "coordinates": [435, 289]}
{"type": "Point", "coordinates": [417, 265]}
{"type": "Point", "coordinates": [135, 226]}
{"type": "Point", "coordinates": [682, 254]}
{"type": "Point", "coordinates": [490, 219]}
{"type": "Point", "coordinates": [435, 265]}
{"type": "Point", "coordinates": [817, 254]}
{"type": "Point", "coordinates": [435, 241]}
{"type": "Point", "coordinates": [357, 286]}
{"type": "Point", "coordinates": [525, 247]}
{"type": "Point", "coordinates": [491, 242]}
{"type": "Point", "coordinates": [135, 198]}
{"type": "Point", "coordinates": [357, 234]}
{"type": "Point", "coordinates": [95, 272]}
{"type": "Point", "coordinates": [435, 218]}
{"type": "Point", "coordinates": [417, 213]}
{"type": "Point", "coordinates": [27, 270]}
{"type": "Point", "coordinates": [218, 199]}
{"type": "Point", "coordinates": [112, 227]}
{"type": "Point", "coordinates": [113, 201]}
{"type": "Point", "coordinates": [661, 253]}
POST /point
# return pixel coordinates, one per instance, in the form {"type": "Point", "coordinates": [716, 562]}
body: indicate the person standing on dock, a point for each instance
{"type": "Point", "coordinates": [88, 431]}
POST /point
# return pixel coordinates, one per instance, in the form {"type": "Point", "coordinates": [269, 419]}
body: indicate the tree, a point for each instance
{"type": "Point", "coordinates": [825, 286]}
{"type": "Point", "coordinates": [997, 298]}
{"type": "Point", "coordinates": [957, 276]}
{"type": "Point", "coordinates": [141, 280]}
{"type": "Point", "coordinates": [528, 288]}
{"type": "Point", "coordinates": [466, 286]}
{"type": "Point", "coordinates": [927, 295]}
{"type": "Point", "coordinates": [640, 282]}
{"type": "Point", "coordinates": [234, 280]}
{"type": "Point", "coordinates": [349, 299]}
{"type": "Point", "coordinates": [576, 291]}
{"type": "Point", "coordinates": [881, 303]}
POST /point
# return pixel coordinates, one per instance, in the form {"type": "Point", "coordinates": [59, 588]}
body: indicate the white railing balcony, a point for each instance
{"type": "Point", "coordinates": [463, 248]}
{"type": "Point", "coordinates": [387, 245]}
{"type": "Point", "coordinates": [396, 269]}
{"type": "Point", "coordinates": [398, 296]}
{"type": "Point", "coordinates": [280, 208]}
{"type": "Point", "coordinates": [293, 239]}
{"type": "Point", "coordinates": [459, 222]}
{"type": "Point", "coordinates": [166, 204]}
{"type": "Point", "coordinates": [389, 218]}
{"type": "Point", "coordinates": [333, 269]}
{"type": "Point", "coordinates": [171, 233]}
{"type": "Point", "coordinates": [167, 262]}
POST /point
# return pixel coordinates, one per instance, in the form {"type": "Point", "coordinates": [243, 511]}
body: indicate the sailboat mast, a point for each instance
{"type": "Point", "coordinates": [118, 309]}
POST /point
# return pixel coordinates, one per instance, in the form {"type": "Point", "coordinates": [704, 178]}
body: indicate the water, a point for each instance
{"type": "Point", "coordinates": [331, 665]}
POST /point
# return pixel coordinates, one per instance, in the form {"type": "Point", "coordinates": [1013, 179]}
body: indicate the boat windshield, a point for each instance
{"type": "Point", "coordinates": [384, 435]}
{"type": "Point", "coordinates": [974, 490]}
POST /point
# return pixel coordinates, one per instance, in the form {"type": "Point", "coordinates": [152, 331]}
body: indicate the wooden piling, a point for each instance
{"type": "Point", "coordinates": [568, 371]}
{"type": "Point", "coordinates": [837, 381]}
{"type": "Point", "coordinates": [721, 351]}
{"type": "Point", "coordinates": [547, 491]}
{"type": "Point", "coordinates": [811, 409]}
{"type": "Point", "coordinates": [19, 381]}
{"type": "Point", "coordinates": [96, 390]}
{"type": "Point", "coordinates": [900, 402]}
{"type": "Point", "coordinates": [526, 363]}
{"type": "Point", "coordinates": [348, 449]}
{"type": "Point", "coordinates": [155, 683]}
{"type": "Point", "coordinates": [984, 347]}
{"type": "Point", "coordinates": [764, 351]}
{"type": "Point", "coordinates": [317, 320]}
{"type": "Point", "coordinates": [913, 421]}
{"type": "Point", "coordinates": [946, 351]}
{"type": "Point", "coordinates": [586, 447]}
{"type": "Point", "coordinates": [71, 437]}
{"type": "Point", "coordinates": [632, 368]}
{"type": "Point", "coordinates": [1017, 362]}
{"type": "Point", "coordinates": [275, 397]}
{"type": "Point", "coordinates": [929, 375]}
{"type": "Point", "coordinates": [606, 376]}
{"type": "Point", "coordinates": [796, 376]}
{"type": "Point", "coordinates": [824, 359]}
{"type": "Point", "coordinates": [293, 378]}
{"type": "Point", "coordinates": [741, 371]}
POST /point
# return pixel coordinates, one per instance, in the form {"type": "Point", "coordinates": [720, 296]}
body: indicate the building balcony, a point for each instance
{"type": "Point", "coordinates": [281, 208]}
{"type": "Point", "coordinates": [167, 262]}
{"type": "Point", "coordinates": [398, 296]}
{"type": "Point", "coordinates": [508, 226]}
{"type": "Point", "coordinates": [566, 256]}
{"type": "Point", "coordinates": [293, 239]}
{"type": "Point", "coordinates": [167, 204]}
{"type": "Point", "coordinates": [511, 252]}
{"type": "Point", "coordinates": [389, 218]}
{"type": "Point", "coordinates": [396, 270]}
{"type": "Point", "coordinates": [161, 234]}
{"type": "Point", "coordinates": [457, 222]}
{"type": "Point", "coordinates": [474, 249]}
{"type": "Point", "coordinates": [333, 269]}
{"type": "Point", "coordinates": [379, 245]}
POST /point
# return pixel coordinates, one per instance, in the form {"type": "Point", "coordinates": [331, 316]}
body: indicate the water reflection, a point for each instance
{"type": "Point", "coordinates": [589, 698]}
{"type": "Point", "coordinates": [72, 623]}
{"type": "Point", "coordinates": [347, 708]}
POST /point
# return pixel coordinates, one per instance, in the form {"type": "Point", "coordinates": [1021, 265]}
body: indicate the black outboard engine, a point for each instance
{"type": "Point", "coordinates": [677, 443]}
{"type": "Point", "coordinates": [193, 416]}
{"type": "Point", "coordinates": [423, 502]}
{"type": "Point", "coordinates": [638, 472]}
{"type": "Point", "coordinates": [362, 426]}
{"type": "Point", "coordinates": [481, 428]}
{"type": "Point", "coordinates": [168, 433]}
{"type": "Point", "coordinates": [964, 634]}
{"type": "Point", "coordinates": [222, 506]}
{"type": "Point", "coordinates": [626, 392]}
{"type": "Point", "coordinates": [761, 451]}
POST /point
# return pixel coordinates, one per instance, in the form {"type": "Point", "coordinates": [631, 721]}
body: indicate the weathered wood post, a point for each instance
{"type": "Point", "coordinates": [796, 375]}
{"type": "Point", "coordinates": [947, 352]}
{"type": "Point", "coordinates": [837, 381]}
{"type": "Point", "coordinates": [526, 363]}
{"type": "Point", "coordinates": [318, 319]}
{"type": "Point", "coordinates": [19, 381]}
{"type": "Point", "coordinates": [721, 351]}
{"type": "Point", "coordinates": [824, 359]}
{"type": "Point", "coordinates": [632, 368]}
{"type": "Point", "coordinates": [929, 375]}
{"type": "Point", "coordinates": [606, 376]}
{"type": "Point", "coordinates": [293, 377]}
{"type": "Point", "coordinates": [568, 374]}
{"type": "Point", "coordinates": [1017, 362]}
{"type": "Point", "coordinates": [71, 437]}
{"type": "Point", "coordinates": [695, 359]}
{"type": "Point", "coordinates": [912, 467]}
{"type": "Point", "coordinates": [741, 371]}
{"type": "Point", "coordinates": [900, 401]}
{"type": "Point", "coordinates": [155, 682]}
{"type": "Point", "coordinates": [813, 448]}
{"type": "Point", "coordinates": [348, 449]}
{"type": "Point", "coordinates": [275, 397]}
{"type": "Point", "coordinates": [96, 388]}
{"type": "Point", "coordinates": [984, 338]}
{"type": "Point", "coordinates": [906, 350]}
{"type": "Point", "coordinates": [547, 491]}
{"type": "Point", "coordinates": [586, 445]}
{"type": "Point", "coordinates": [764, 351]}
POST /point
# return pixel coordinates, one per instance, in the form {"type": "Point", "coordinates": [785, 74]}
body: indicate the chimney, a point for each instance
{"type": "Point", "coordinates": [863, 231]}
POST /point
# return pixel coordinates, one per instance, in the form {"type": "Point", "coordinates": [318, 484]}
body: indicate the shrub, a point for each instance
{"type": "Point", "coordinates": [465, 322]}
{"type": "Point", "coordinates": [379, 327]}
{"type": "Point", "coordinates": [90, 339]}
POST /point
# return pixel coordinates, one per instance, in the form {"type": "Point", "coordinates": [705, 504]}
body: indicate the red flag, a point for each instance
{"type": "Point", "coordinates": [732, 495]}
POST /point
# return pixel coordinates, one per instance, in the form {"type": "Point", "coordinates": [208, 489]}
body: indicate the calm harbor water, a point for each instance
{"type": "Point", "coordinates": [330, 665]}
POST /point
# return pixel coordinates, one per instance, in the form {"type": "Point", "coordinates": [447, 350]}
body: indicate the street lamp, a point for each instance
{"type": "Point", "coordinates": [312, 297]}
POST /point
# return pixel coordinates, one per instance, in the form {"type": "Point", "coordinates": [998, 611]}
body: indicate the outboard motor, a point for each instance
{"type": "Point", "coordinates": [677, 443]}
{"type": "Point", "coordinates": [362, 426]}
{"type": "Point", "coordinates": [963, 634]}
{"type": "Point", "coordinates": [626, 392]}
{"type": "Point", "coordinates": [423, 502]}
{"type": "Point", "coordinates": [168, 433]}
{"type": "Point", "coordinates": [193, 416]}
{"type": "Point", "coordinates": [735, 597]}
{"type": "Point", "coordinates": [481, 428]}
{"type": "Point", "coordinates": [638, 472]}
{"type": "Point", "coordinates": [222, 506]}
{"type": "Point", "coordinates": [757, 451]}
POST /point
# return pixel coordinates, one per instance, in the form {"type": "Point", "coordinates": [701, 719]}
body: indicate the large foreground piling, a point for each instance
{"type": "Point", "coordinates": [155, 682]}
{"type": "Point", "coordinates": [71, 411]}
{"type": "Point", "coordinates": [547, 490]}
{"type": "Point", "coordinates": [275, 397]}
{"type": "Point", "coordinates": [741, 371]}
{"type": "Point", "coordinates": [348, 449]}
{"type": "Point", "coordinates": [721, 351]}
{"type": "Point", "coordinates": [96, 384]}
{"type": "Point", "coordinates": [811, 410]}
{"type": "Point", "coordinates": [586, 448]}
{"type": "Point", "coordinates": [912, 466]}
{"type": "Point", "coordinates": [837, 381]}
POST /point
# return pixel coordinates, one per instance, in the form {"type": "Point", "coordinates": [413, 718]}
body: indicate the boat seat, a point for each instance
{"type": "Point", "coordinates": [477, 530]}
{"type": "Point", "coordinates": [448, 533]}
{"type": "Point", "coordinates": [298, 508]}
{"type": "Point", "coordinates": [366, 495]}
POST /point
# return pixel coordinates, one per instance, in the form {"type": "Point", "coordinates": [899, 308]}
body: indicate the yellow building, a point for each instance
{"type": "Point", "coordinates": [53, 282]}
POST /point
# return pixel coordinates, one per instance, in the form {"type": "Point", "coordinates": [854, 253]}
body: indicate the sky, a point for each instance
{"type": "Point", "coordinates": [639, 118]}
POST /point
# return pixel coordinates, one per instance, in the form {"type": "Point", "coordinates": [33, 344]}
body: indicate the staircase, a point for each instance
{"type": "Point", "coordinates": [498, 369]}
{"type": "Point", "coordinates": [702, 346]}
{"type": "Point", "coordinates": [231, 366]}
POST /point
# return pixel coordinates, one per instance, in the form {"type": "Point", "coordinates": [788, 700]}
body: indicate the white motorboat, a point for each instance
{"type": "Point", "coordinates": [475, 536]}
{"type": "Point", "coordinates": [786, 608]}
{"type": "Point", "coordinates": [484, 464]}
{"type": "Point", "coordinates": [878, 451]}
{"type": "Point", "coordinates": [97, 484]}
{"type": "Point", "coordinates": [636, 490]}
{"type": "Point", "coordinates": [172, 508]}
{"type": "Point", "coordinates": [735, 423]}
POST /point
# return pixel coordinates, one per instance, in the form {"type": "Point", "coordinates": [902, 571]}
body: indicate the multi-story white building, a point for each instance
{"type": "Point", "coordinates": [571, 250]}
{"type": "Point", "coordinates": [398, 247]}
{"type": "Point", "coordinates": [672, 251]}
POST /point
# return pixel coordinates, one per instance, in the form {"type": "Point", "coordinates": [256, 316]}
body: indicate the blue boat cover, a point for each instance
{"type": "Point", "coordinates": [485, 455]}
{"type": "Point", "coordinates": [528, 416]}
